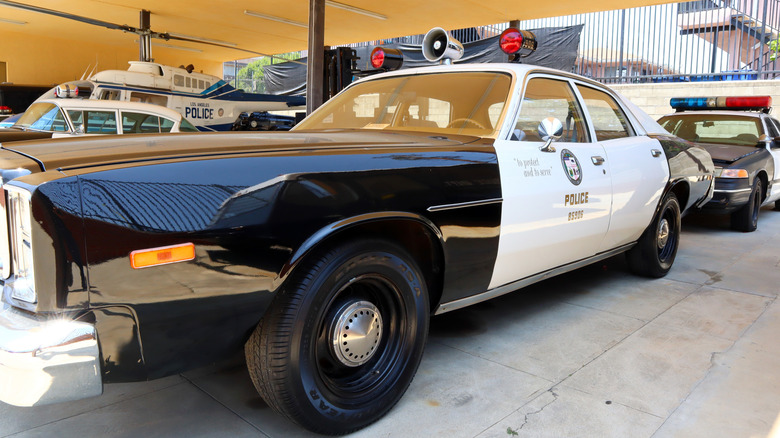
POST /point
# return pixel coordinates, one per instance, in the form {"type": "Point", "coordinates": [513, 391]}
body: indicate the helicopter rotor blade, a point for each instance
{"type": "Point", "coordinates": [26, 7]}
{"type": "Point", "coordinates": [166, 36]}
{"type": "Point", "coordinates": [126, 28]}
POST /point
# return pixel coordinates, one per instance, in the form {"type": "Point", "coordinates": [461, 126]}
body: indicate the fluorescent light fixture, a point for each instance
{"type": "Point", "coordinates": [201, 39]}
{"type": "Point", "coordinates": [8, 20]}
{"type": "Point", "coordinates": [170, 46]}
{"type": "Point", "coordinates": [355, 10]}
{"type": "Point", "coordinates": [277, 19]}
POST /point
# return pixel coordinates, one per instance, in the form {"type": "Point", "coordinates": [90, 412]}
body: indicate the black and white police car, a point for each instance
{"type": "Point", "coordinates": [324, 251]}
{"type": "Point", "coordinates": [744, 142]}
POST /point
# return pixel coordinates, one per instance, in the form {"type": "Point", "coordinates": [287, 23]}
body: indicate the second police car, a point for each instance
{"type": "Point", "coordinates": [323, 252]}
{"type": "Point", "coordinates": [744, 142]}
{"type": "Point", "coordinates": [64, 117]}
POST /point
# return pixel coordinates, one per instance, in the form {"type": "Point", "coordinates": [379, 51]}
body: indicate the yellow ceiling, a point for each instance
{"type": "Point", "coordinates": [226, 21]}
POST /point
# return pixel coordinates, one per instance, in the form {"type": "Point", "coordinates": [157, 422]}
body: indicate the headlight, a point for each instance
{"type": "Point", "coordinates": [733, 173]}
{"type": "Point", "coordinates": [20, 231]}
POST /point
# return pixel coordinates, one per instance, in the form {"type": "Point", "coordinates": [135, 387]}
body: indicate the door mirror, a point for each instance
{"type": "Point", "coordinates": [550, 129]}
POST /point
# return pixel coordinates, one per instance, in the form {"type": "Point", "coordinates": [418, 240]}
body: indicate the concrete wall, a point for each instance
{"type": "Point", "coordinates": [654, 98]}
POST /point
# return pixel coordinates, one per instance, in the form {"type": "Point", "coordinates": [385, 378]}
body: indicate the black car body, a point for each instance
{"type": "Point", "coordinates": [323, 251]}
{"type": "Point", "coordinates": [745, 148]}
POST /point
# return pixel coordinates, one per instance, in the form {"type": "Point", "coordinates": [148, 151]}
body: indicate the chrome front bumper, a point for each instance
{"type": "Point", "coordinates": [43, 362]}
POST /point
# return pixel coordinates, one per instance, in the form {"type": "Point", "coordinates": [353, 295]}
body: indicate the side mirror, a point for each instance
{"type": "Point", "coordinates": [772, 142]}
{"type": "Point", "coordinates": [550, 129]}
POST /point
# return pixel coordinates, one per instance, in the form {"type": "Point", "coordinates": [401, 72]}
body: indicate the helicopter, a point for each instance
{"type": "Point", "coordinates": [210, 103]}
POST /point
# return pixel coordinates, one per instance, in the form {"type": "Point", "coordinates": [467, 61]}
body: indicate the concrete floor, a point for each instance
{"type": "Point", "coordinates": [593, 353]}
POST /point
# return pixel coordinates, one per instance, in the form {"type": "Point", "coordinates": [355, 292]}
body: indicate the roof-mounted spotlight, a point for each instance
{"type": "Point", "coordinates": [513, 41]}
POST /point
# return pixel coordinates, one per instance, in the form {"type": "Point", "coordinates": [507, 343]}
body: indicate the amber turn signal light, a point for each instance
{"type": "Point", "coordinates": [145, 258]}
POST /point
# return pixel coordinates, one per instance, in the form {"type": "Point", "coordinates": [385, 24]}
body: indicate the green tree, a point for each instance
{"type": "Point", "coordinates": [251, 78]}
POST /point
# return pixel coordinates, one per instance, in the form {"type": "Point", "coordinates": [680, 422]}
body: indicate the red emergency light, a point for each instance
{"type": "Point", "coordinates": [383, 58]}
{"type": "Point", "coordinates": [513, 40]}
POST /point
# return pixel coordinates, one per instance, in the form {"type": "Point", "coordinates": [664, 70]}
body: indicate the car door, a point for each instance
{"type": "Point", "coordinates": [638, 167]}
{"type": "Point", "coordinates": [774, 132]}
{"type": "Point", "coordinates": [556, 202]}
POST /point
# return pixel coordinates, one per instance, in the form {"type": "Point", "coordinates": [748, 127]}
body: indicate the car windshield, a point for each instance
{"type": "Point", "coordinates": [715, 128]}
{"type": "Point", "coordinates": [468, 103]}
{"type": "Point", "coordinates": [43, 117]}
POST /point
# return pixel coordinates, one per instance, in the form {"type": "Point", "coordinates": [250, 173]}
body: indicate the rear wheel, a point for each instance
{"type": "Point", "coordinates": [656, 249]}
{"type": "Point", "coordinates": [746, 218]}
{"type": "Point", "coordinates": [340, 346]}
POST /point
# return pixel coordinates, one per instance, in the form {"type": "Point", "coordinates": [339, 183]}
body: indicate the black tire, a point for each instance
{"type": "Point", "coordinates": [297, 366]}
{"type": "Point", "coordinates": [746, 218]}
{"type": "Point", "coordinates": [777, 205]}
{"type": "Point", "coordinates": [654, 253]}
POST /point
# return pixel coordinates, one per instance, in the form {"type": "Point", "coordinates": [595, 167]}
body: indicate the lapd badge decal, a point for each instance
{"type": "Point", "coordinates": [571, 166]}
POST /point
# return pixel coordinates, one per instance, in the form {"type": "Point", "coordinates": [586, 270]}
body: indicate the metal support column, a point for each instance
{"type": "Point", "coordinates": [515, 24]}
{"type": "Point", "coordinates": [145, 37]}
{"type": "Point", "coordinates": [316, 63]}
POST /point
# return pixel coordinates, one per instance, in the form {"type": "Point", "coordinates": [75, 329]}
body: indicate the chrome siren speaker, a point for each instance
{"type": "Point", "coordinates": [438, 45]}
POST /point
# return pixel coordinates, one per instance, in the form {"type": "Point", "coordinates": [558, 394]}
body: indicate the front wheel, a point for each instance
{"type": "Point", "coordinates": [746, 218]}
{"type": "Point", "coordinates": [340, 345]}
{"type": "Point", "coordinates": [654, 253]}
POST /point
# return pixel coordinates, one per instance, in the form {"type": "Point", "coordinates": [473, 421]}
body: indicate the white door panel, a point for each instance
{"type": "Point", "coordinates": [638, 180]}
{"type": "Point", "coordinates": [547, 220]}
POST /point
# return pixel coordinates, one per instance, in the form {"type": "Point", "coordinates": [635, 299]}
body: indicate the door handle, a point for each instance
{"type": "Point", "coordinates": [656, 153]}
{"type": "Point", "coordinates": [597, 160]}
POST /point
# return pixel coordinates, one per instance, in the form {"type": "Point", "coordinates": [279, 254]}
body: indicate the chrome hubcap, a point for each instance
{"type": "Point", "coordinates": [356, 333]}
{"type": "Point", "coordinates": [663, 233]}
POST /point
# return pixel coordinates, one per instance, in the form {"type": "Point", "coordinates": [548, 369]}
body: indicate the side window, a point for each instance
{"type": "Point", "coordinates": [109, 95]}
{"type": "Point", "coordinates": [608, 119]}
{"type": "Point", "coordinates": [549, 98]}
{"type": "Point", "coordinates": [773, 126]}
{"type": "Point", "coordinates": [139, 123]}
{"type": "Point", "coordinates": [94, 122]}
{"type": "Point", "coordinates": [166, 124]}
{"type": "Point", "coordinates": [178, 80]}
{"type": "Point", "coordinates": [156, 99]}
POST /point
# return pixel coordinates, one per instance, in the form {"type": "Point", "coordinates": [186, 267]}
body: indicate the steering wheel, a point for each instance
{"type": "Point", "coordinates": [455, 122]}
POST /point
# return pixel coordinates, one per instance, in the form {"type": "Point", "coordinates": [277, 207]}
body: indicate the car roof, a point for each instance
{"type": "Point", "coordinates": [113, 104]}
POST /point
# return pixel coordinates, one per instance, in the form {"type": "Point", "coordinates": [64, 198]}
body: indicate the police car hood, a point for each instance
{"type": "Point", "coordinates": [722, 153]}
{"type": "Point", "coordinates": [79, 153]}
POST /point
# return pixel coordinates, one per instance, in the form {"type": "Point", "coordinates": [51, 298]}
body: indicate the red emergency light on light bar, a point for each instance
{"type": "Point", "coordinates": [513, 40]}
{"type": "Point", "coordinates": [383, 58]}
{"type": "Point", "coordinates": [68, 90]}
{"type": "Point", "coordinates": [744, 103]}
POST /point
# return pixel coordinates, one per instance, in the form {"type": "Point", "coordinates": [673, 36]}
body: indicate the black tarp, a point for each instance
{"type": "Point", "coordinates": [557, 48]}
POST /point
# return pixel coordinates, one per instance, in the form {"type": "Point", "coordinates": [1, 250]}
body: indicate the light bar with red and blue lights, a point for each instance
{"type": "Point", "coordinates": [742, 103]}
